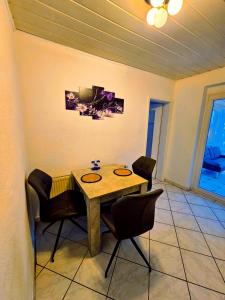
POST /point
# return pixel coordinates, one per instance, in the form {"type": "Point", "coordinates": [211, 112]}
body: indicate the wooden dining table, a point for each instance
{"type": "Point", "coordinates": [108, 188]}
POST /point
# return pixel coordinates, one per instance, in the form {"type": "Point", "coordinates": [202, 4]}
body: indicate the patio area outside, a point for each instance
{"type": "Point", "coordinates": [213, 182]}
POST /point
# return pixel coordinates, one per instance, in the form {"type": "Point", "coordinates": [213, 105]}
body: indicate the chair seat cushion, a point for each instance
{"type": "Point", "coordinates": [67, 204]}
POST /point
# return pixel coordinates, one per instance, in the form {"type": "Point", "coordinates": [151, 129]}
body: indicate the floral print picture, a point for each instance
{"type": "Point", "coordinates": [95, 102]}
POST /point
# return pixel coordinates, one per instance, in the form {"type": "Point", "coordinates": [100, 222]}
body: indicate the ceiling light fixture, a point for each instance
{"type": "Point", "coordinates": [158, 14]}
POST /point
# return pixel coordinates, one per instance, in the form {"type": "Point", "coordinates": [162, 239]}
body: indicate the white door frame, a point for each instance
{"type": "Point", "coordinates": [202, 143]}
{"type": "Point", "coordinates": [163, 138]}
{"type": "Point", "coordinates": [156, 135]}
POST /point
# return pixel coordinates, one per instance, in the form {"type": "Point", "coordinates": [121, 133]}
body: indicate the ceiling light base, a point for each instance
{"type": "Point", "coordinates": [165, 2]}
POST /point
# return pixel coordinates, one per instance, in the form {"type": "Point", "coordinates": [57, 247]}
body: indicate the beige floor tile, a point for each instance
{"type": "Point", "coordinates": [180, 207]}
{"type": "Point", "coordinates": [164, 233]}
{"type": "Point", "coordinates": [202, 270]}
{"type": "Point", "coordinates": [220, 213]}
{"type": "Point", "coordinates": [67, 228]}
{"type": "Point", "coordinates": [166, 258]}
{"type": "Point", "coordinates": [50, 285]}
{"type": "Point", "coordinates": [177, 197]}
{"type": "Point", "coordinates": [202, 211]}
{"type": "Point", "coordinates": [79, 292]}
{"type": "Point", "coordinates": [173, 188]}
{"type": "Point", "coordinates": [45, 244]}
{"type": "Point", "coordinates": [194, 199]}
{"type": "Point", "coordinates": [185, 221]}
{"type": "Point", "coordinates": [211, 227]}
{"type": "Point", "coordinates": [146, 235]}
{"type": "Point", "coordinates": [192, 240]}
{"type": "Point", "coordinates": [217, 245]}
{"type": "Point", "coordinates": [221, 265]}
{"type": "Point", "coordinates": [78, 236]}
{"type": "Point", "coordinates": [163, 216]}
{"type": "Point", "coordinates": [164, 287]}
{"type": "Point", "coordinates": [38, 269]}
{"type": "Point", "coordinates": [68, 258]}
{"type": "Point", "coordinates": [128, 251]}
{"type": "Point", "coordinates": [200, 293]}
{"type": "Point", "coordinates": [130, 281]}
{"type": "Point", "coordinates": [92, 272]}
{"type": "Point", "coordinates": [108, 243]}
{"type": "Point", "coordinates": [159, 186]}
{"type": "Point", "coordinates": [163, 203]}
{"type": "Point", "coordinates": [216, 205]}
{"type": "Point", "coordinates": [155, 181]}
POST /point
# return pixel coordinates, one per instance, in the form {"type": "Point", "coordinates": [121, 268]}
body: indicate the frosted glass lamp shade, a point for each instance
{"type": "Point", "coordinates": [151, 16]}
{"type": "Point", "coordinates": [174, 6]}
{"type": "Point", "coordinates": [160, 17]}
{"type": "Point", "coordinates": [157, 3]}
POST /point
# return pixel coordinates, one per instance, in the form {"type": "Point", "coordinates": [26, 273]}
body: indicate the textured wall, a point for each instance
{"type": "Point", "coordinates": [16, 256]}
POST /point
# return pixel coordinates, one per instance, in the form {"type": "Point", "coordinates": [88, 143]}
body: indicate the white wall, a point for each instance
{"type": "Point", "coordinates": [188, 100]}
{"type": "Point", "coordinates": [59, 140]}
{"type": "Point", "coordinates": [16, 258]}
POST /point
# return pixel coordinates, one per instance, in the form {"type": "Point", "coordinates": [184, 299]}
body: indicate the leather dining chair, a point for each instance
{"type": "Point", "coordinates": [144, 167]}
{"type": "Point", "coordinates": [65, 206]}
{"type": "Point", "coordinates": [129, 217]}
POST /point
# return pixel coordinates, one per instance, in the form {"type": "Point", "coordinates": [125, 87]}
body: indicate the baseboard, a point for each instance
{"type": "Point", "coordinates": [177, 184]}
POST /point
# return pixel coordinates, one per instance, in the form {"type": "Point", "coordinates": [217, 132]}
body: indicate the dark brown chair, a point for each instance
{"type": "Point", "coordinates": [66, 206]}
{"type": "Point", "coordinates": [131, 216]}
{"type": "Point", "coordinates": [144, 167]}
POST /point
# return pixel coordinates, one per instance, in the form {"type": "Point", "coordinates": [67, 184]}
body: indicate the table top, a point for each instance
{"type": "Point", "coordinates": [110, 182]}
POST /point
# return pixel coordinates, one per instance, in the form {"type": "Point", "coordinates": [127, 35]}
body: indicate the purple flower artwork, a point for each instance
{"type": "Point", "coordinates": [95, 102]}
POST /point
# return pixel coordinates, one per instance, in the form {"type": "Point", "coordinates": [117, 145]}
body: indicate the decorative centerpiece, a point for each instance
{"type": "Point", "coordinates": [95, 166]}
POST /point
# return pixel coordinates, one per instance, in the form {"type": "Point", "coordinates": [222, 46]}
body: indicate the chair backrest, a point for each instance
{"type": "Point", "coordinates": [134, 214]}
{"type": "Point", "coordinates": [144, 167]}
{"type": "Point", "coordinates": [42, 183]}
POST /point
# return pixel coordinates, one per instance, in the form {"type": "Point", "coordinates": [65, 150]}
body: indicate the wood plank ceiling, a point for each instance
{"type": "Point", "coordinates": [190, 43]}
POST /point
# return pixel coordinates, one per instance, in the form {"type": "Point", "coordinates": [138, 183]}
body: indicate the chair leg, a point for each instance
{"type": "Point", "coordinates": [57, 240]}
{"type": "Point", "coordinates": [49, 225]}
{"type": "Point", "coordinates": [78, 225]}
{"type": "Point", "coordinates": [141, 254]}
{"type": "Point", "coordinates": [112, 257]}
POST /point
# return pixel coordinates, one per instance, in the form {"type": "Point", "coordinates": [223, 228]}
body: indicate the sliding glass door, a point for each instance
{"type": "Point", "coordinates": [212, 169]}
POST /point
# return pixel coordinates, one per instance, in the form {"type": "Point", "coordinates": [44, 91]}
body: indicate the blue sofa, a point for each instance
{"type": "Point", "coordinates": [214, 160]}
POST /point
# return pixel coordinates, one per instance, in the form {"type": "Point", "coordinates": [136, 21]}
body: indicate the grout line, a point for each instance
{"type": "Point", "coordinates": [116, 257]}
{"type": "Point", "coordinates": [170, 275]}
{"type": "Point", "coordinates": [221, 222]}
{"type": "Point", "coordinates": [133, 263]}
{"type": "Point", "coordinates": [75, 274]}
{"type": "Point", "coordinates": [192, 229]}
{"type": "Point", "coordinates": [209, 248]}
{"type": "Point", "coordinates": [180, 250]}
{"type": "Point", "coordinates": [72, 280]}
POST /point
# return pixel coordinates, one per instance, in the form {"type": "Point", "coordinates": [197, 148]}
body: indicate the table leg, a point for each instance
{"type": "Point", "coordinates": [93, 220]}
{"type": "Point", "coordinates": [143, 188]}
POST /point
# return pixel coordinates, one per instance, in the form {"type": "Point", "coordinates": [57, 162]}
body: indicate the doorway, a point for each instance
{"type": "Point", "coordinates": [157, 129]}
{"type": "Point", "coordinates": [212, 169]}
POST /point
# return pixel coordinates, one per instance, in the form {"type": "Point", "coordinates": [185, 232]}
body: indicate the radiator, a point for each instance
{"type": "Point", "coordinates": [61, 184]}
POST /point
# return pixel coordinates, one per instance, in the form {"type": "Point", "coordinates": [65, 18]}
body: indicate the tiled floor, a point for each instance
{"type": "Point", "coordinates": [186, 249]}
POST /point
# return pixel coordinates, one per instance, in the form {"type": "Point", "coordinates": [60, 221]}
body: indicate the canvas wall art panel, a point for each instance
{"type": "Point", "coordinates": [96, 102]}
